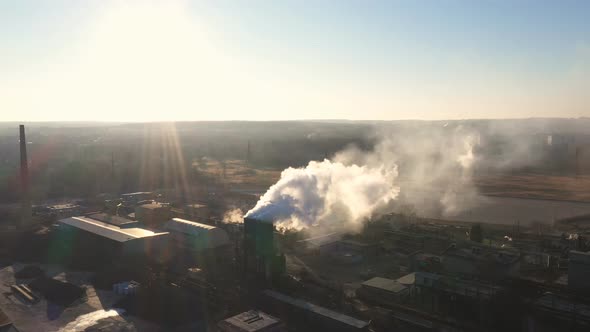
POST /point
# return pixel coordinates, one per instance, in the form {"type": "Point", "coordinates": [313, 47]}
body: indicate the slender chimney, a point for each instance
{"type": "Point", "coordinates": [24, 181]}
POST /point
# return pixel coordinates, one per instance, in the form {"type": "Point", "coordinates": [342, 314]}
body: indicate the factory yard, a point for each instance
{"type": "Point", "coordinates": [366, 250]}
{"type": "Point", "coordinates": [92, 311]}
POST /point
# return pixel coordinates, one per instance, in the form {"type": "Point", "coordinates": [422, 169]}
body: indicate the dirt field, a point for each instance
{"type": "Point", "coordinates": [238, 174]}
{"type": "Point", "coordinates": [510, 210]}
{"type": "Point", "coordinates": [504, 199]}
{"type": "Point", "coordinates": [534, 186]}
{"type": "Point", "coordinates": [568, 188]}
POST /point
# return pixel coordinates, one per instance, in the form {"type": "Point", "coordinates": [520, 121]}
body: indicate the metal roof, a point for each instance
{"type": "Point", "coordinates": [342, 318]}
{"type": "Point", "coordinates": [137, 193]}
{"type": "Point", "coordinates": [107, 230]}
{"type": "Point", "coordinates": [113, 220]}
{"type": "Point", "coordinates": [252, 321]}
{"type": "Point", "coordinates": [388, 285]}
{"type": "Point", "coordinates": [408, 279]}
{"type": "Point", "coordinates": [208, 236]}
{"type": "Point", "coordinates": [66, 206]}
{"type": "Point", "coordinates": [154, 206]}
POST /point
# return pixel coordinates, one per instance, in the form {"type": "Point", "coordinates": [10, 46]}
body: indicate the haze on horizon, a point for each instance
{"type": "Point", "coordinates": [280, 60]}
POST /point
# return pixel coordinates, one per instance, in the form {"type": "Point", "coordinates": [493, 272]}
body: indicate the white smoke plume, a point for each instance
{"type": "Point", "coordinates": [233, 216]}
{"type": "Point", "coordinates": [327, 193]}
{"type": "Point", "coordinates": [430, 170]}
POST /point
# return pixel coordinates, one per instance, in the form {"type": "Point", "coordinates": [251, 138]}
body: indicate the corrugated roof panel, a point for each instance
{"type": "Point", "coordinates": [106, 230]}
{"type": "Point", "coordinates": [208, 236]}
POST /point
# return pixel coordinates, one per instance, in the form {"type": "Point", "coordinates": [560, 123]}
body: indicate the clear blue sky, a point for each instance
{"type": "Point", "coordinates": [269, 60]}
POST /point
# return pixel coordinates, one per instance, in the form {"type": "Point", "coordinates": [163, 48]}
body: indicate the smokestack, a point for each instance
{"type": "Point", "coordinates": [24, 181]}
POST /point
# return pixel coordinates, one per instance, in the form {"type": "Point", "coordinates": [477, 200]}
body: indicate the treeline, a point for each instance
{"type": "Point", "coordinates": [85, 162]}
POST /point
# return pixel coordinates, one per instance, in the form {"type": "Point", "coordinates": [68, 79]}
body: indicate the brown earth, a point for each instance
{"type": "Point", "coordinates": [239, 174]}
{"type": "Point", "coordinates": [536, 186]}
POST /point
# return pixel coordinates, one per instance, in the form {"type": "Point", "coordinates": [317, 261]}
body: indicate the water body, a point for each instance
{"type": "Point", "coordinates": [509, 210]}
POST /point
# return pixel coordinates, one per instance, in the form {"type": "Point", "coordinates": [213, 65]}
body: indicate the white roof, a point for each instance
{"type": "Point", "coordinates": [107, 230]}
{"type": "Point", "coordinates": [208, 236]}
{"type": "Point", "coordinates": [385, 284]}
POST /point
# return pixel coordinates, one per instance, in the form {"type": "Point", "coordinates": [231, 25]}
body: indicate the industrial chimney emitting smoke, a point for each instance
{"type": "Point", "coordinates": [25, 191]}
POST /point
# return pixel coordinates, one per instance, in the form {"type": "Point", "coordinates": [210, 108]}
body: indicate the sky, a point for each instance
{"type": "Point", "coordinates": [283, 60]}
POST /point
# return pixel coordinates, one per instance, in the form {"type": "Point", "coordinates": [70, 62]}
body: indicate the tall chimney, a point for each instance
{"type": "Point", "coordinates": [25, 190]}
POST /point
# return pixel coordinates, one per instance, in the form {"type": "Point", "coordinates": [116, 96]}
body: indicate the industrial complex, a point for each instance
{"type": "Point", "coordinates": [146, 261]}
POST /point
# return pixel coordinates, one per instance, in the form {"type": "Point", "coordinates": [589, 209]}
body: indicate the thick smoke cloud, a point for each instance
{"type": "Point", "coordinates": [429, 169]}
{"type": "Point", "coordinates": [327, 193]}
{"type": "Point", "coordinates": [435, 166]}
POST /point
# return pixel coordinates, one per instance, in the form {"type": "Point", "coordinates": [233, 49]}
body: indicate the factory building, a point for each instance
{"type": "Point", "coordinates": [193, 243]}
{"type": "Point", "coordinates": [579, 272]}
{"type": "Point", "coordinates": [251, 321]}
{"type": "Point", "coordinates": [196, 236]}
{"type": "Point", "coordinates": [462, 299]}
{"type": "Point", "coordinates": [383, 290]}
{"type": "Point", "coordinates": [192, 212]}
{"type": "Point", "coordinates": [153, 215]}
{"type": "Point", "coordinates": [88, 242]}
{"type": "Point", "coordinates": [555, 312]}
{"type": "Point", "coordinates": [482, 262]}
{"type": "Point", "coordinates": [197, 211]}
{"type": "Point", "coordinates": [61, 211]}
{"type": "Point", "coordinates": [115, 220]}
{"type": "Point", "coordinates": [299, 312]}
{"type": "Point", "coordinates": [260, 254]}
{"type": "Point", "coordinates": [131, 199]}
{"type": "Point", "coordinates": [314, 244]}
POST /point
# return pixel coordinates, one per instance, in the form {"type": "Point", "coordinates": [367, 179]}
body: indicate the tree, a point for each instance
{"type": "Point", "coordinates": [476, 233]}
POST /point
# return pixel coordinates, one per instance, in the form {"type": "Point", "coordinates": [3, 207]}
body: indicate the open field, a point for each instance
{"type": "Point", "coordinates": [532, 186]}
{"type": "Point", "coordinates": [557, 187]}
{"type": "Point", "coordinates": [511, 210]}
{"type": "Point", "coordinates": [504, 199]}
{"type": "Point", "coordinates": [238, 174]}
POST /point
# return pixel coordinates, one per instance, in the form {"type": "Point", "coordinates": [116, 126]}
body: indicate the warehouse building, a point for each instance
{"type": "Point", "coordinates": [192, 243]}
{"type": "Point", "coordinates": [196, 236]}
{"type": "Point", "coordinates": [114, 220]}
{"type": "Point", "coordinates": [88, 242]}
